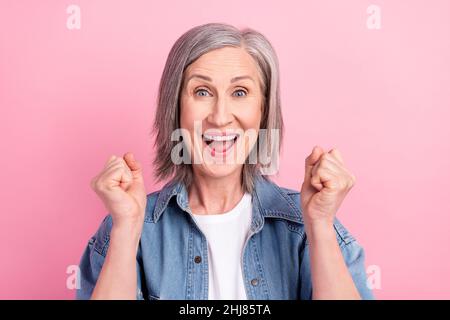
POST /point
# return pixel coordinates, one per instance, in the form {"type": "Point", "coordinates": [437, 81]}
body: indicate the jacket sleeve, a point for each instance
{"type": "Point", "coordinates": [93, 258]}
{"type": "Point", "coordinates": [354, 258]}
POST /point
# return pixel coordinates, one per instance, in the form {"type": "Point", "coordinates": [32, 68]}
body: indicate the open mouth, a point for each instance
{"type": "Point", "coordinates": [219, 144]}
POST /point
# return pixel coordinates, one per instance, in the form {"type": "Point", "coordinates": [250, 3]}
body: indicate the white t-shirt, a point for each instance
{"type": "Point", "coordinates": [226, 234]}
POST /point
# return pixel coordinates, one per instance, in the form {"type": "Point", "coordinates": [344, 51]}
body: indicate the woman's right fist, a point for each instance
{"type": "Point", "coordinates": [120, 186]}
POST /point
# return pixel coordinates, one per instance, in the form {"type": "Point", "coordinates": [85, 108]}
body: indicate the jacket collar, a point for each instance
{"type": "Point", "coordinates": [271, 200]}
{"type": "Point", "coordinates": [276, 202]}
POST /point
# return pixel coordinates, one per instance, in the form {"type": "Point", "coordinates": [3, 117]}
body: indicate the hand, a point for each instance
{"type": "Point", "coordinates": [325, 186]}
{"type": "Point", "coordinates": [120, 185]}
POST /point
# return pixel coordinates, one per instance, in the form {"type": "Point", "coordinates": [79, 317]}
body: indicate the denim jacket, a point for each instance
{"type": "Point", "coordinates": [172, 257]}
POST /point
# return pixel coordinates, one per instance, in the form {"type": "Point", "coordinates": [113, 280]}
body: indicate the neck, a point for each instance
{"type": "Point", "coordinates": [209, 195]}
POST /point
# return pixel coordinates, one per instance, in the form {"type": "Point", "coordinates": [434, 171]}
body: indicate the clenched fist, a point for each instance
{"type": "Point", "coordinates": [120, 186]}
{"type": "Point", "coordinates": [325, 186]}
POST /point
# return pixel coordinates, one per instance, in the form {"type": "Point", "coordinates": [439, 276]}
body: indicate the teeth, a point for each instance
{"type": "Point", "coordinates": [219, 138]}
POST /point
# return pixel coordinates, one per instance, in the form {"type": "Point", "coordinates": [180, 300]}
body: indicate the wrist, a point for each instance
{"type": "Point", "coordinates": [126, 235]}
{"type": "Point", "coordinates": [320, 230]}
{"type": "Point", "coordinates": [128, 224]}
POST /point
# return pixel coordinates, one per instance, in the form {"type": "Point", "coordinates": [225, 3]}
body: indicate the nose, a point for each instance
{"type": "Point", "coordinates": [220, 115]}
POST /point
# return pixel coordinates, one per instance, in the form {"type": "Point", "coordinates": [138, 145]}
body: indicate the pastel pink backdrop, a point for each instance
{"type": "Point", "coordinates": [71, 98]}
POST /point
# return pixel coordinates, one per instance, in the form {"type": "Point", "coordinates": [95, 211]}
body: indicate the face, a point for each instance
{"type": "Point", "coordinates": [221, 107]}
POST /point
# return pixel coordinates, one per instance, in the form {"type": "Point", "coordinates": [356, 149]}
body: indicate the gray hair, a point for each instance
{"type": "Point", "coordinates": [189, 47]}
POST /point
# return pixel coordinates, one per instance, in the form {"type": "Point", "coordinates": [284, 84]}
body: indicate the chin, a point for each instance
{"type": "Point", "coordinates": [220, 170]}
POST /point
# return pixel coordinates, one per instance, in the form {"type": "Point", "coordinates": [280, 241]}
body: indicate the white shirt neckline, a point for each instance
{"type": "Point", "coordinates": [226, 216]}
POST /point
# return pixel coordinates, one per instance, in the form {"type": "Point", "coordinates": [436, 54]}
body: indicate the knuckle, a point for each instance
{"type": "Point", "coordinates": [341, 184]}
{"type": "Point", "coordinates": [111, 159]}
{"type": "Point", "coordinates": [125, 170]}
{"type": "Point", "coordinates": [322, 164]}
{"type": "Point", "coordinates": [92, 182]}
{"type": "Point", "coordinates": [335, 185]}
{"type": "Point", "coordinates": [101, 187]}
{"type": "Point", "coordinates": [347, 184]}
{"type": "Point", "coordinates": [321, 174]}
{"type": "Point", "coordinates": [326, 157]}
{"type": "Point", "coordinates": [96, 186]}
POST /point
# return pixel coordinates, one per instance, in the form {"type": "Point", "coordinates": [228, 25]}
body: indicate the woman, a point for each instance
{"type": "Point", "coordinates": [220, 229]}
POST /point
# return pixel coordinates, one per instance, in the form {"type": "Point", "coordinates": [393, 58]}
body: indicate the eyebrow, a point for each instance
{"type": "Point", "coordinates": [206, 78]}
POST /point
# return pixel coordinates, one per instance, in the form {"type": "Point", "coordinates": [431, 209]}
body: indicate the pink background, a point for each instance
{"type": "Point", "coordinates": [71, 98]}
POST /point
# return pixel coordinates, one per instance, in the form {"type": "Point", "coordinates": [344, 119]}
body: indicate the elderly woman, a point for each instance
{"type": "Point", "coordinates": [219, 228]}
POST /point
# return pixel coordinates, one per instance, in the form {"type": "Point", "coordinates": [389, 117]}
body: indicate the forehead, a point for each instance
{"type": "Point", "coordinates": [225, 62]}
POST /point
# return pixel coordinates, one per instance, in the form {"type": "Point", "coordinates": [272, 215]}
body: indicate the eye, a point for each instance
{"type": "Point", "coordinates": [202, 92]}
{"type": "Point", "coordinates": [241, 93]}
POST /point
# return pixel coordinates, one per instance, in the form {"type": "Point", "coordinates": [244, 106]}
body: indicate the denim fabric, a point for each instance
{"type": "Point", "coordinates": [276, 262]}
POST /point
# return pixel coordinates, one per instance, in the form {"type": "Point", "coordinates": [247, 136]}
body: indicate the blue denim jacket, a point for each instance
{"type": "Point", "coordinates": [172, 258]}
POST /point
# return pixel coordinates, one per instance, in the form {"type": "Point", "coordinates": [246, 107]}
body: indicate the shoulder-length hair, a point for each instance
{"type": "Point", "coordinates": [189, 47]}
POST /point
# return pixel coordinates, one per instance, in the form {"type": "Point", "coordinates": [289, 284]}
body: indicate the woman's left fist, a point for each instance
{"type": "Point", "coordinates": [325, 186]}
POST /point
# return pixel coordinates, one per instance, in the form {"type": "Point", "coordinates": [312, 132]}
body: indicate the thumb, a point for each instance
{"type": "Point", "coordinates": [137, 188]}
{"type": "Point", "coordinates": [311, 161]}
{"type": "Point", "coordinates": [307, 189]}
{"type": "Point", "coordinates": [135, 166]}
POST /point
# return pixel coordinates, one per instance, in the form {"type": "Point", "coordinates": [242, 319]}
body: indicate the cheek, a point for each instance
{"type": "Point", "coordinates": [189, 114]}
{"type": "Point", "coordinates": [250, 117]}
